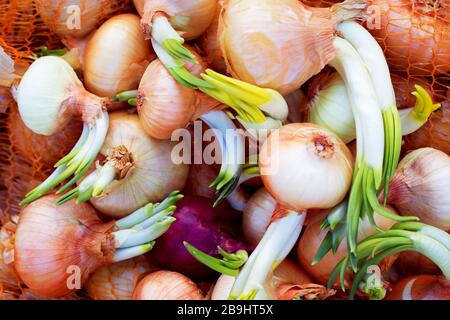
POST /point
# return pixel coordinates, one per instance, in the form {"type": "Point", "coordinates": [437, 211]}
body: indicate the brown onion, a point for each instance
{"type": "Point", "coordinates": [422, 287]}
{"type": "Point", "coordinates": [167, 285]}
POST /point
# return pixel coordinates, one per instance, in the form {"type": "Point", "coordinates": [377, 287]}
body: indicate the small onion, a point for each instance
{"type": "Point", "coordinates": [118, 281]}
{"type": "Point", "coordinates": [152, 174]}
{"type": "Point", "coordinates": [312, 238]}
{"type": "Point", "coordinates": [61, 16]}
{"type": "Point", "coordinates": [116, 56]}
{"type": "Point", "coordinates": [167, 285]}
{"type": "Point", "coordinates": [420, 187]}
{"type": "Point", "coordinates": [189, 18]}
{"type": "Point", "coordinates": [257, 215]}
{"type": "Point", "coordinates": [160, 92]}
{"type": "Point", "coordinates": [422, 287]}
{"type": "Point", "coordinates": [304, 166]}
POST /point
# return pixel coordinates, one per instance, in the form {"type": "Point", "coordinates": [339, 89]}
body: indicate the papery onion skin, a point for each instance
{"type": "Point", "coordinates": [257, 215]}
{"type": "Point", "coordinates": [312, 238]}
{"type": "Point", "coordinates": [412, 263]}
{"type": "Point", "coordinates": [304, 166]}
{"type": "Point", "coordinates": [277, 44]}
{"type": "Point", "coordinates": [422, 287]}
{"type": "Point", "coordinates": [50, 240]}
{"type": "Point", "coordinates": [44, 150]}
{"type": "Point", "coordinates": [58, 16]}
{"type": "Point", "coordinates": [209, 43]}
{"type": "Point", "coordinates": [118, 281]}
{"type": "Point", "coordinates": [153, 175]}
{"type": "Point", "coordinates": [116, 56]}
{"type": "Point", "coordinates": [189, 18]}
{"type": "Point", "coordinates": [165, 105]}
{"type": "Point", "coordinates": [420, 187]}
{"type": "Point", "coordinates": [167, 285]}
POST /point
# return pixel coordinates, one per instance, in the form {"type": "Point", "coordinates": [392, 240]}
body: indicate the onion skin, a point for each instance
{"type": "Point", "coordinates": [200, 177]}
{"type": "Point", "coordinates": [45, 151]}
{"type": "Point", "coordinates": [210, 45]}
{"type": "Point", "coordinates": [207, 230]}
{"type": "Point", "coordinates": [258, 215]}
{"type": "Point", "coordinates": [312, 238]}
{"type": "Point", "coordinates": [412, 263]}
{"type": "Point", "coordinates": [153, 175]}
{"type": "Point", "coordinates": [50, 239]}
{"type": "Point", "coordinates": [167, 285]}
{"type": "Point", "coordinates": [118, 281]}
{"type": "Point", "coordinates": [189, 18]}
{"type": "Point", "coordinates": [116, 56]}
{"type": "Point", "coordinates": [420, 186]}
{"type": "Point", "coordinates": [164, 105]}
{"type": "Point", "coordinates": [93, 12]}
{"type": "Point", "coordinates": [303, 144]}
{"type": "Point", "coordinates": [422, 287]}
{"type": "Point", "coordinates": [277, 44]}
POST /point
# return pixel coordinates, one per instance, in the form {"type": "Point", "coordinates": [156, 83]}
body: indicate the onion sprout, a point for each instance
{"type": "Point", "coordinates": [77, 162]}
{"type": "Point", "coordinates": [273, 248]}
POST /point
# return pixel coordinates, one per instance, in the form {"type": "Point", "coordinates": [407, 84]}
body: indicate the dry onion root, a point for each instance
{"type": "Point", "coordinates": [138, 169]}
{"type": "Point", "coordinates": [48, 96]}
{"type": "Point", "coordinates": [58, 247]}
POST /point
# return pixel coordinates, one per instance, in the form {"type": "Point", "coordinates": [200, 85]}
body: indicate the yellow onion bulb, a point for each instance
{"type": "Point", "coordinates": [167, 285]}
{"type": "Point", "coordinates": [61, 16]}
{"type": "Point", "coordinates": [165, 105]}
{"type": "Point", "coordinates": [54, 242]}
{"type": "Point", "coordinates": [210, 45]}
{"type": "Point", "coordinates": [189, 18]}
{"type": "Point", "coordinates": [152, 174]}
{"type": "Point", "coordinates": [304, 166]}
{"type": "Point", "coordinates": [277, 44]}
{"type": "Point", "coordinates": [118, 281]}
{"type": "Point", "coordinates": [50, 95]}
{"type": "Point", "coordinates": [312, 238]}
{"type": "Point", "coordinates": [116, 56]}
{"type": "Point", "coordinates": [257, 215]}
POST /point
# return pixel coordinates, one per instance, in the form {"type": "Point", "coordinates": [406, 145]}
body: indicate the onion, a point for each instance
{"type": "Point", "coordinates": [258, 215]}
{"type": "Point", "coordinates": [295, 102]}
{"type": "Point", "coordinates": [116, 56]}
{"type": "Point", "coordinates": [189, 18]}
{"type": "Point", "coordinates": [209, 43]}
{"type": "Point", "coordinates": [420, 187]}
{"type": "Point", "coordinates": [118, 281]}
{"type": "Point", "coordinates": [200, 178]}
{"type": "Point", "coordinates": [138, 169]}
{"type": "Point", "coordinates": [46, 150]}
{"type": "Point", "coordinates": [49, 96]}
{"type": "Point", "coordinates": [415, 38]}
{"type": "Point", "coordinates": [58, 247]}
{"type": "Point", "coordinates": [167, 285]}
{"type": "Point", "coordinates": [422, 287]}
{"type": "Point", "coordinates": [279, 44]}
{"type": "Point", "coordinates": [304, 166]}
{"type": "Point", "coordinates": [413, 263]}
{"type": "Point", "coordinates": [9, 281]}
{"type": "Point", "coordinates": [60, 16]}
{"type": "Point", "coordinates": [313, 237]}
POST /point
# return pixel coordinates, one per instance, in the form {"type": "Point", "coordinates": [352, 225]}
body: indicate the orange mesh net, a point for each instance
{"type": "Point", "coordinates": [27, 158]}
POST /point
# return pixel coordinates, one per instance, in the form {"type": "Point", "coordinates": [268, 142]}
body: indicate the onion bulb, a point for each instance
{"type": "Point", "coordinates": [258, 215]}
{"type": "Point", "coordinates": [49, 96]}
{"type": "Point", "coordinates": [304, 166]}
{"type": "Point", "coordinates": [279, 44]}
{"type": "Point", "coordinates": [62, 16]}
{"type": "Point", "coordinates": [413, 263]}
{"type": "Point", "coordinates": [167, 285]}
{"type": "Point", "coordinates": [189, 18]}
{"type": "Point", "coordinates": [420, 187]}
{"type": "Point", "coordinates": [118, 281]}
{"type": "Point", "coordinates": [58, 247]}
{"type": "Point", "coordinates": [422, 287]}
{"type": "Point", "coordinates": [138, 169]}
{"type": "Point", "coordinates": [116, 56]}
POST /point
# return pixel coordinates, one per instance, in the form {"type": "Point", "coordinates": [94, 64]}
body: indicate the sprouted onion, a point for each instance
{"type": "Point", "coordinates": [329, 107]}
{"type": "Point", "coordinates": [49, 96]}
{"type": "Point", "coordinates": [58, 247]}
{"type": "Point", "coordinates": [137, 170]}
